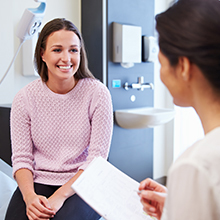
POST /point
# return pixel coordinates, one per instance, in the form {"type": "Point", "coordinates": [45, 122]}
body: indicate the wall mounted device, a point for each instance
{"type": "Point", "coordinates": [28, 26]}
{"type": "Point", "coordinates": [31, 21]}
{"type": "Point", "coordinates": [126, 44]}
{"type": "Point", "coordinates": [150, 49]}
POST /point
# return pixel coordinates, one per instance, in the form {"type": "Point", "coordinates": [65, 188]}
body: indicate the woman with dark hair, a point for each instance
{"type": "Point", "coordinates": [189, 41]}
{"type": "Point", "coordinates": [51, 27]}
{"type": "Point", "coordinates": [59, 123]}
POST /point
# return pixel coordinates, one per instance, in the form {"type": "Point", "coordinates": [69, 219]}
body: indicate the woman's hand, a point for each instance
{"type": "Point", "coordinates": [152, 196]}
{"type": "Point", "coordinates": [56, 201]}
{"type": "Point", "coordinates": [64, 192]}
{"type": "Point", "coordinates": [38, 207]}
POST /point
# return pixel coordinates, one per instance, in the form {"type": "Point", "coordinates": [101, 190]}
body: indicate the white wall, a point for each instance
{"type": "Point", "coordinates": [171, 139]}
{"type": "Point", "coordinates": [7, 50]}
{"type": "Point", "coordinates": [10, 14]}
{"type": "Point", "coordinates": [163, 135]}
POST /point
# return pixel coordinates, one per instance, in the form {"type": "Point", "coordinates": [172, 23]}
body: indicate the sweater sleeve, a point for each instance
{"type": "Point", "coordinates": [101, 119]}
{"type": "Point", "coordinates": [22, 147]}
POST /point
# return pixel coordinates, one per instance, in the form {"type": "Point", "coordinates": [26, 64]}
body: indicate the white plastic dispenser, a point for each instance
{"type": "Point", "coordinates": [126, 44]}
{"type": "Point", "coordinates": [31, 21]}
{"type": "Point", "coordinates": [27, 28]}
{"type": "Point", "coordinates": [150, 49]}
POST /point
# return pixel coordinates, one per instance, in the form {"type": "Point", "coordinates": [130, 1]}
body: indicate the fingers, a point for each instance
{"type": "Point", "coordinates": [147, 205]}
{"type": "Point", "coordinates": [149, 208]}
{"type": "Point", "coordinates": [40, 209]}
{"type": "Point", "coordinates": [152, 202]}
{"type": "Point", "coordinates": [39, 214]}
{"type": "Point", "coordinates": [153, 196]}
{"type": "Point", "coordinates": [36, 216]}
{"type": "Point", "coordinates": [149, 184]}
{"type": "Point", "coordinates": [146, 201]}
{"type": "Point", "coordinates": [44, 201]}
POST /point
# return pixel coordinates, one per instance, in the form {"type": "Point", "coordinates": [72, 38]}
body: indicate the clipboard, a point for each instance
{"type": "Point", "coordinates": [110, 192]}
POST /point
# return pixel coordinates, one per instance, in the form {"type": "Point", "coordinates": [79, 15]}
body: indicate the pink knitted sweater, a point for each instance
{"type": "Point", "coordinates": [55, 135]}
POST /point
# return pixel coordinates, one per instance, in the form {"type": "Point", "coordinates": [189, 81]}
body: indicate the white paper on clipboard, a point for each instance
{"type": "Point", "coordinates": [110, 192]}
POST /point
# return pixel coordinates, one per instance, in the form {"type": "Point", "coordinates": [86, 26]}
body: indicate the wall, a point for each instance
{"type": "Point", "coordinates": [163, 135]}
{"type": "Point", "coordinates": [7, 50]}
{"type": "Point", "coordinates": [131, 149]}
{"type": "Point", "coordinates": [11, 12]}
{"type": "Point", "coordinates": [175, 137]}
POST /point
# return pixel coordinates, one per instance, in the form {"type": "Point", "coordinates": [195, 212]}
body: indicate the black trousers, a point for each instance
{"type": "Point", "coordinates": [74, 208]}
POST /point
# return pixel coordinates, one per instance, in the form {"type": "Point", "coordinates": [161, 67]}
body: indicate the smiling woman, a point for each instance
{"type": "Point", "coordinates": [62, 58]}
{"type": "Point", "coordinates": [59, 123]}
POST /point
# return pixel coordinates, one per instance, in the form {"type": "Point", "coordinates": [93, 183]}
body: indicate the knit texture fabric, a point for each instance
{"type": "Point", "coordinates": [55, 135]}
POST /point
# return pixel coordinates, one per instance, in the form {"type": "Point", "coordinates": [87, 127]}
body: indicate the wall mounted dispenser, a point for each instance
{"type": "Point", "coordinates": [126, 44]}
{"type": "Point", "coordinates": [150, 49]}
{"type": "Point", "coordinates": [31, 21]}
{"type": "Point", "coordinates": [28, 26]}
